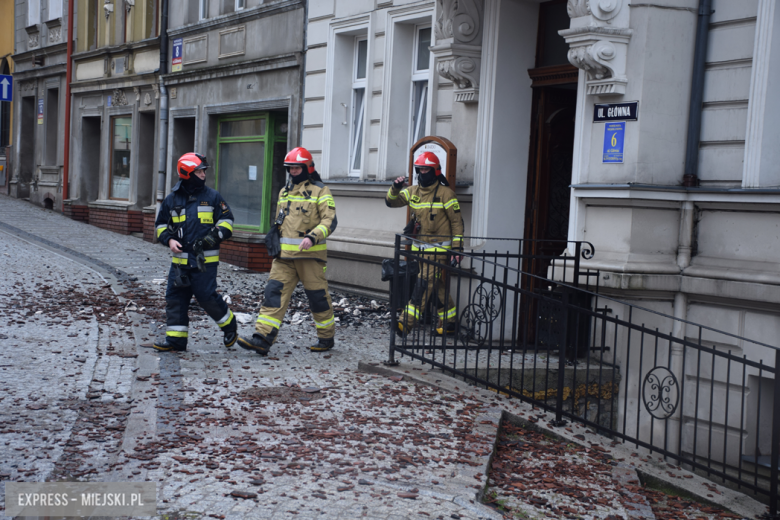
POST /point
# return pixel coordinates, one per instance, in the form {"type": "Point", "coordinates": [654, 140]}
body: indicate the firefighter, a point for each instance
{"type": "Point", "coordinates": [437, 220]}
{"type": "Point", "coordinates": [306, 218]}
{"type": "Point", "coordinates": [192, 222]}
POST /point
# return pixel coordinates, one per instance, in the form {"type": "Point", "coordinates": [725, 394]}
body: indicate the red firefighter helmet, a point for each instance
{"type": "Point", "coordinates": [299, 156]}
{"type": "Point", "coordinates": [190, 162]}
{"type": "Point", "coordinates": [428, 159]}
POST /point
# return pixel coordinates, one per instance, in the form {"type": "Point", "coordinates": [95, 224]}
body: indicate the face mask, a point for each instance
{"type": "Point", "coordinates": [426, 179]}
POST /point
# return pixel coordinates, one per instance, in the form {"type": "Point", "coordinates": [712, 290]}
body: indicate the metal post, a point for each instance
{"type": "Point", "coordinates": [394, 296]}
{"type": "Point", "coordinates": [775, 457]}
{"type": "Point", "coordinates": [559, 420]}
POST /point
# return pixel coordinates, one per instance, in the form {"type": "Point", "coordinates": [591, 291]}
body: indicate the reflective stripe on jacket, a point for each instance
{"type": "Point", "coordinates": [200, 211]}
{"type": "Point", "coordinates": [310, 212]}
{"type": "Point", "coordinates": [438, 212]}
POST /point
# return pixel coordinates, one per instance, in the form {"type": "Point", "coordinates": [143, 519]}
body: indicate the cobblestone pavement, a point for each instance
{"type": "Point", "coordinates": [224, 433]}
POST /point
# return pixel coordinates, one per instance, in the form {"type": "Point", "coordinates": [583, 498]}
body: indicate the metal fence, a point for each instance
{"type": "Point", "coordinates": [526, 319]}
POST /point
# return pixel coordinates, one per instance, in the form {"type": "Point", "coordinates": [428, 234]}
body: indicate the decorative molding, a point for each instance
{"type": "Point", "coordinates": [156, 88]}
{"type": "Point", "coordinates": [147, 99]}
{"type": "Point", "coordinates": [33, 40]}
{"type": "Point", "coordinates": [119, 98]}
{"type": "Point", "coordinates": [174, 93]}
{"type": "Point", "coordinates": [55, 34]}
{"type": "Point", "coordinates": [28, 86]}
{"type": "Point", "coordinates": [458, 48]}
{"type": "Point", "coordinates": [598, 39]}
{"type": "Point", "coordinates": [137, 92]}
{"type": "Point", "coordinates": [553, 75]}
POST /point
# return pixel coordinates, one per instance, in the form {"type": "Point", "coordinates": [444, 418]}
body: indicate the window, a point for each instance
{"type": "Point", "coordinates": [121, 142]}
{"type": "Point", "coordinates": [240, 4]}
{"type": "Point", "coordinates": [358, 105]}
{"type": "Point", "coordinates": [55, 9]}
{"type": "Point", "coordinates": [203, 9]}
{"type": "Point", "coordinates": [420, 73]}
{"type": "Point", "coordinates": [245, 149]}
{"type": "Point", "coordinates": [33, 12]}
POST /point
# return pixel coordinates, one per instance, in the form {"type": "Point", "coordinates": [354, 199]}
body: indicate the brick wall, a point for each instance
{"type": "Point", "coordinates": [75, 212]}
{"type": "Point", "coordinates": [123, 222]}
{"type": "Point", "coordinates": [150, 235]}
{"type": "Point", "coordinates": [251, 256]}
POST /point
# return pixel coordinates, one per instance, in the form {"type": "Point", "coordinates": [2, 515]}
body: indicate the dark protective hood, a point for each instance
{"type": "Point", "coordinates": [427, 179]}
{"type": "Point", "coordinates": [193, 184]}
{"type": "Point", "coordinates": [301, 177]}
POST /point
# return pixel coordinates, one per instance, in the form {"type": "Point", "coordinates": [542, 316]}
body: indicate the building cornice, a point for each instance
{"type": "Point", "coordinates": [234, 69]}
{"type": "Point", "coordinates": [242, 16]}
{"type": "Point", "coordinates": [40, 72]}
{"type": "Point", "coordinates": [676, 193]}
{"type": "Point", "coordinates": [40, 51]}
{"type": "Point", "coordinates": [148, 43]}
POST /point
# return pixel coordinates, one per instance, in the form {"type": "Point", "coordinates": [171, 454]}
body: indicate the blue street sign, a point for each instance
{"type": "Point", "coordinates": [6, 88]}
{"type": "Point", "coordinates": [614, 134]}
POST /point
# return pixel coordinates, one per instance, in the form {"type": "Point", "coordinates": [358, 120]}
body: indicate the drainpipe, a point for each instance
{"type": "Point", "coordinates": [697, 95]}
{"type": "Point", "coordinates": [68, 76]}
{"type": "Point", "coordinates": [163, 131]}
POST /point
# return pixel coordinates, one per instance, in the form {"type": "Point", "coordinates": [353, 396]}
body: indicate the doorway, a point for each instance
{"type": "Point", "coordinates": [146, 169]}
{"type": "Point", "coordinates": [89, 176]}
{"type": "Point", "coordinates": [27, 162]}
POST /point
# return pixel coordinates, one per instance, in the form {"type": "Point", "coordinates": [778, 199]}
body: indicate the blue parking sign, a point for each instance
{"type": "Point", "coordinates": [6, 88]}
{"type": "Point", "coordinates": [614, 134]}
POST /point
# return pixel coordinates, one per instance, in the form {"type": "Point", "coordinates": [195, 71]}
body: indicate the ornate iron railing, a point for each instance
{"type": "Point", "coordinates": [530, 323]}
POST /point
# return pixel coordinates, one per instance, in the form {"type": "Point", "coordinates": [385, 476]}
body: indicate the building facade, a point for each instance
{"type": "Point", "coordinates": [6, 108]}
{"type": "Point", "coordinates": [688, 230]}
{"type": "Point", "coordinates": [39, 60]}
{"type": "Point", "coordinates": [115, 112]}
{"type": "Point", "coordinates": [235, 96]}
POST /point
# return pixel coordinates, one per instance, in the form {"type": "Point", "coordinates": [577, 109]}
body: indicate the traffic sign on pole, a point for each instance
{"type": "Point", "coordinates": [6, 88]}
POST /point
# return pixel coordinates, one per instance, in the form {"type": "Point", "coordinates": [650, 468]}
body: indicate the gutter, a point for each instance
{"type": "Point", "coordinates": [691, 176]}
{"type": "Point", "coordinates": [163, 124]}
{"type": "Point", "coordinates": [68, 78]}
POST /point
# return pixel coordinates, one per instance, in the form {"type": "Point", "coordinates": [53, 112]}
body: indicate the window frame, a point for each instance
{"type": "Point", "coordinates": [111, 157]}
{"type": "Point", "coordinates": [240, 4]}
{"type": "Point", "coordinates": [420, 80]}
{"type": "Point", "coordinates": [203, 9]}
{"type": "Point", "coordinates": [269, 139]}
{"type": "Point", "coordinates": [357, 129]}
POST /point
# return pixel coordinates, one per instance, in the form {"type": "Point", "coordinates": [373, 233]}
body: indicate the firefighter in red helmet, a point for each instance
{"type": "Point", "coordinates": [436, 212]}
{"type": "Point", "coordinates": [193, 220]}
{"type": "Point", "coordinates": [307, 217]}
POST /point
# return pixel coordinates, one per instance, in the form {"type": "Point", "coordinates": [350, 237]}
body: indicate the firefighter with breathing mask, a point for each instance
{"type": "Point", "coordinates": [306, 218]}
{"type": "Point", "coordinates": [438, 223]}
{"type": "Point", "coordinates": [193, 220]}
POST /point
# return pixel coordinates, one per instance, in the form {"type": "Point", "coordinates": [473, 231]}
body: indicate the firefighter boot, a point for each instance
{"type": "Point", "coordinates": [257, 342]}
{"type": "Point", "coordinates": [323, 344]}
{"type": "Point", "coordinates": [164, 346]}
{"type": "Point", "coordinates": [230, 332]}
{"type": "Point", "coordinates": [445, 329]}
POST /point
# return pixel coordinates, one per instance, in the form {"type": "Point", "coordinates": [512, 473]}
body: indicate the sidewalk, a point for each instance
{"type": "Point", "coordinates": [224, 432]}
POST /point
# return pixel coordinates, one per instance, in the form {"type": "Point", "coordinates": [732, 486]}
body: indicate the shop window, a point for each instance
{"type": "Point", "coordinates": [55, 9]}
{"type": "Point", "coordinates": [121, 143]}
{"type": "Point", "coordinates": [33, 12]}
{"type": "Point", "coordinates": [420, 74]}
{"type": "Point", "coordinates": [245, 153]}
{"type": "Point", "coordinates": [358, 106]}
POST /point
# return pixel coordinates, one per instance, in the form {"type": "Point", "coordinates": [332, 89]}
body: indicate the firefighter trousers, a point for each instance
{"type": "Point", "coordinates": [285, 275]}
{"type": "Point", "coordinates": [177, 301]}
{"type": "Point", "coordinates": [429, 282]}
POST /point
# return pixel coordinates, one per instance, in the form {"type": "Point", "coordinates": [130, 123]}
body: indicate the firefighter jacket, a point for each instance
{"type": "Point", "coordinates": [187, 217]}
{"type": "Point", "coordinates": [437, 210]}
{"type": "Point", "coordinates": [309, 211]}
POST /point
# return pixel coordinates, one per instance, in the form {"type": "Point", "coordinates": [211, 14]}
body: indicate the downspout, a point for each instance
{"type": "Point", "coordinates": [68, 77]}
{"type": "Point", "coordinates": [303, 69]}
{"type": "Point", "coordinates": [163, 127]}
{"type": "Point", "coordinates": [690, 178]}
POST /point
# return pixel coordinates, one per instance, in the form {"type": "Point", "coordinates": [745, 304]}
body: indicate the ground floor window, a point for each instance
{"type": "Point", "coordinates": [245, 164]}
{"type": "Point", "coordinates": [121, 142]}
